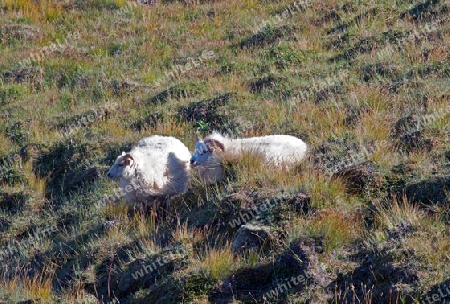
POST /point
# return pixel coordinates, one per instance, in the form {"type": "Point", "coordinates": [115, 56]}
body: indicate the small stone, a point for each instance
{"type": "Point", "coordinates": [251, 237]}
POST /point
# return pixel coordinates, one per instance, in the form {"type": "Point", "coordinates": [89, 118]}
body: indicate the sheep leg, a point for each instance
{"type": "Point", "coordinates": [167, 204]}
{"type": "Point", "coordinates": [139, 207]}
{"type": "Point", "coordinates": [163, 207]}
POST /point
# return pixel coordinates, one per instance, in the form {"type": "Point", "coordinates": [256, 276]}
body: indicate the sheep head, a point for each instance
{"type": "Point", "coordinates": [123, 166]}
{"type": "Point", "coordinates": [207, 159]}
{"type": "Point", "coordinates": [204, 150]}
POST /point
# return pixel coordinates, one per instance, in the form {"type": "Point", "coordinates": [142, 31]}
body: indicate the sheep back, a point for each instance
{"type": "Point", "coordinates": [277, 150]}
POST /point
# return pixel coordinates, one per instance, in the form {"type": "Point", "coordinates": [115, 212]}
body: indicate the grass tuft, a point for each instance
{"type": "Point", "coordinates": [336, 229]}
{"type": "Point", "coordinates": [219, 263]}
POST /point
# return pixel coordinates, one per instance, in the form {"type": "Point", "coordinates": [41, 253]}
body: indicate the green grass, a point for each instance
{"type": "Point", "coordinates": [353, 80]}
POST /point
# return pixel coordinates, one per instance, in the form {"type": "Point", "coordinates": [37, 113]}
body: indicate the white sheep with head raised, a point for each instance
{"type": "Point", "coordinates": [157, 168]}
{"type": "Point", "coordinates": [279, 151]}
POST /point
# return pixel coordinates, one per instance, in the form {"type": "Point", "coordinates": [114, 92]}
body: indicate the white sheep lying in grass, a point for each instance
{"type": "Point", "coordinates": [157, 168]}
{"type": "Point", "coordinates": [279, 151]}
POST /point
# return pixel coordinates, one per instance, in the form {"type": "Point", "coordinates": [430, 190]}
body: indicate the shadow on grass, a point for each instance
{"type": "Point", "coordinates": [184, 90]}
{"type": "Point", "coordinates": [377, 279]}
{"type": "Point", "coordinates": [274, 281]}
{"type": "Point", "coordinates": [68, 255]}
{"type": "Point", "coordinates": [12, 203]}
{"type": "Point", "coordinates": [212, 111]}
{"type": "Point", "coordinates": [356, 20]}
{"type": "Point", "coordinates": [70, 167]}
{"type": "Point", "coordinates": [423, 11]}
{"type": "Point", "coordinates": [113, 281]}
{"type": "Point", "coordinates": [267, 36]}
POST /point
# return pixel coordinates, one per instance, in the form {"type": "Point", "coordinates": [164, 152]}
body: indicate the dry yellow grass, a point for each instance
{"type": "Point", "coordinates": [218, 263]}
{"type": "Point", "coordinates": [37, 288]}
{"type": "Point", "coordinates": [337, 228]}
{"type": "Point", "coordinates": [400, 210]}
{"type": "Point", "coordinates": [46, 10]}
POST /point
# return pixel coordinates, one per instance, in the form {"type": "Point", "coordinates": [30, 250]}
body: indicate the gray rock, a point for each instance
{"type": "Point", "coordinates": [251, 237]}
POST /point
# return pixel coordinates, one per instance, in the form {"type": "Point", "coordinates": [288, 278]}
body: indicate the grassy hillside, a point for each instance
{"type": "Point", "coordinates": [365, 219]}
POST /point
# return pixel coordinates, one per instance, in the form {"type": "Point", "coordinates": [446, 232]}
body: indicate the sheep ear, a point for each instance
{"type": "Point", "coordinates": [123, 153]}
{"type": "Point", "coordinates": [128, 160]}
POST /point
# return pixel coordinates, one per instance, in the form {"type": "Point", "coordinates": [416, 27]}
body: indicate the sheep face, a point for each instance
{"type": "Point", "coordinates": [199, 154]}
{"type": "Point", "coordinates": [204, 151]}
{"type": "Point", "coordinates": [122, 166]}
{"type": "Point", "coordinates": [207, 160]}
